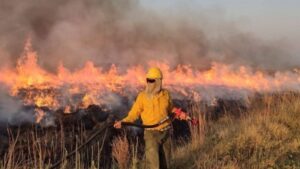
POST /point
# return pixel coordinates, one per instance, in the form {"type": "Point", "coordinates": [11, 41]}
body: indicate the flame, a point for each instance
{"type": "Point", "coordinates": [88, 100]}
{"type": "Point", "coordinates": [67, 109]}
{"type": "Point", "coordinates": [39, 115]}
{"type": "Point", "coordinates": [83, 87]}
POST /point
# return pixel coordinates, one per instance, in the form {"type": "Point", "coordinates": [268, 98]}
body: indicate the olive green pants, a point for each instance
{"type": "Point", "coordinates": [157, 149]}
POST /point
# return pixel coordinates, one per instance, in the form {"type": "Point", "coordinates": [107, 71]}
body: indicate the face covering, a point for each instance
{"type": "Point", "coordinates": [153, 88]}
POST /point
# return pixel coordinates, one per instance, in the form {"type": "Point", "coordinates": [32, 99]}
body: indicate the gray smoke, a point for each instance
{"type": "Point", "coordinates": [125, 33]}
{"type": "Point", "coordinates": [12, 111]}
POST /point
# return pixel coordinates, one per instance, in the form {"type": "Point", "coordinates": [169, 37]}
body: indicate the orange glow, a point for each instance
{"type": "Point", "coordinates": [38, 87]}
{"type": "Point", "coordinates": [39, 115]}
{"type": "Point", "coordinates": [67, 109]}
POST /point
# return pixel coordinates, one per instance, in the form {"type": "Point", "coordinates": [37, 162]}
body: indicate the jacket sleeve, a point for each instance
{"type": "Point", "coordinates": [135, 111]}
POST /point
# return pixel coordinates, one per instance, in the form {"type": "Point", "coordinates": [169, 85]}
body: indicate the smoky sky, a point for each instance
{"type": "Point", "coordinates": [124, 33]}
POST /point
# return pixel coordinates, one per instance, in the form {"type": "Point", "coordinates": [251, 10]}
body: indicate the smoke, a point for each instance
{"type": "Point", "coordinates": [125, 33]}
{"type": "Point", "coordinates": [12, 110]}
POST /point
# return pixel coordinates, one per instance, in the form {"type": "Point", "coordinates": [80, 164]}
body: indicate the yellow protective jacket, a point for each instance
{"type": "Point", "coordinates": [151, 110]}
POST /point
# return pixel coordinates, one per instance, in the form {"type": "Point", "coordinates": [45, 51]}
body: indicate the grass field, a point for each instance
{"type": "Point", "coordinates": [266, 135]}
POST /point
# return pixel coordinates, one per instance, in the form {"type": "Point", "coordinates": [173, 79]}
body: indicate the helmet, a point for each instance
{"type": "Point", "coordinates": [154, 73]}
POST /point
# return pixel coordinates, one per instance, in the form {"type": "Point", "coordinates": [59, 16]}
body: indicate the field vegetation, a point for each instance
{"type": "Point", "coordinates": [265, 135]}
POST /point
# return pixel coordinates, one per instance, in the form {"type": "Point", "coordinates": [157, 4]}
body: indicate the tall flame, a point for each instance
{"type": "Point", "coordinates": [38, 87]}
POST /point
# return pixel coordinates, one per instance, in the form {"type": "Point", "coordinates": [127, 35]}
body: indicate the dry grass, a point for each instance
{"type": "Point", "coordinates": [120, 152]}
{"type": "Point", "coordinates": [266, 136]}
{"type": "Point", "coordinates": [40, 148]}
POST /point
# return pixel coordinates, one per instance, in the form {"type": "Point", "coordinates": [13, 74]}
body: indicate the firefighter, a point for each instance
{"type": "Point", "coordinates": [153, 106]}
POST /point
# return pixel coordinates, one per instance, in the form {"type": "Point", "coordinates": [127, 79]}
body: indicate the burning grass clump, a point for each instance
{"type": "Point", "coordinates": [267, 136]}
